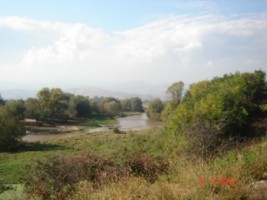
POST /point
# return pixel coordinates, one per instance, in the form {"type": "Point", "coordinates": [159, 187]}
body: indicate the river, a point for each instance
{"type": "Point", "coordinates": [135, 122]}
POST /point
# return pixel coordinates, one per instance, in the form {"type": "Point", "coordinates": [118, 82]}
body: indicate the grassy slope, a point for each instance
{"type": "Point", "coordinates": [12, 165]}
{"type": "Point", "coordinates": [245, 166]}
{"type": "Point", "coordinates": [115, 146]}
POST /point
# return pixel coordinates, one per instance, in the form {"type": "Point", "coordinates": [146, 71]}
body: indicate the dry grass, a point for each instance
{"type": "Point", "coordinates": [245, 164]}
{"type": "Point", "coordinates": [182, 182]}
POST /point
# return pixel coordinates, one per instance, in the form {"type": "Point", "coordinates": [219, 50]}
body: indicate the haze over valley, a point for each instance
{"type": "Point", "coordinates": [133, 99]}
{"type": "Point", "coordinates": [124, 90]}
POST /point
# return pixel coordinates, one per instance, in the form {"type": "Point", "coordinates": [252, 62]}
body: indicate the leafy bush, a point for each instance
{"type": "Point", "coordinates": [155, 107]}
{"type": "Point", "coordinates": [56, 177]}
{"type": "Point", "coordinates": [147, 167]}
{"type": "Point", "coordinates": [224, 105]}
{"type": "Point", "coordinates": [204, 138]}
{"type": "Point", "coordinates": [10, 130]}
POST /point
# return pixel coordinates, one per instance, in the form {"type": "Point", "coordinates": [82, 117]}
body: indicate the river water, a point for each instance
{"type": "Point", "coordinates": [135, 122]}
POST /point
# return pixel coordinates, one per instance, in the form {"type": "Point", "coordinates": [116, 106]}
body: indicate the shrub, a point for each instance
{"type": "Point", "coordinates": [204, 139]}
{"type": "Point", "coordinates": [57, 176]}
{"type": "Point", "coordinates": [10, 130]}
{"type": "Point", "coordinates": [218, 110]}
{"type": "Point", "coordinates": [155, 107]}
{"type": "Point", "coordinates": [147, 167]}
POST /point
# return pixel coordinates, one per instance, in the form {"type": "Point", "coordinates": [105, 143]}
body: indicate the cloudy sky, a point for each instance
{"type": "Point", "coordinates": [71, 43]}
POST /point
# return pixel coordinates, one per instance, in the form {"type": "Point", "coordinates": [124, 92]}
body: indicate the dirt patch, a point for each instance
{"type": "Point", "coordinates": [64, 129]}
{"type": "Point", "coordinates": [51, 129]}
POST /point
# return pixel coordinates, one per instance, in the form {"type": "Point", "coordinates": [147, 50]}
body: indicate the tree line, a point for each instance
{"type": "Point", "coordinates": [54, 105]}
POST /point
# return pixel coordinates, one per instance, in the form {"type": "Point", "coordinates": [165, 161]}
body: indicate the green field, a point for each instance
{"type": "Point", "coordinates": [117, 146]}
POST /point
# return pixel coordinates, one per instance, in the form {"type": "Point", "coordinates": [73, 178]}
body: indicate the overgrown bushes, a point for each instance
{"type": "Point", "coordinates": [218, 109]}
{"type": "Point", "coordinates": [10, 130]}
{"type": "Point", "coordinates": [154, 109]}
{"type": "Point", "coordinates": [56, 177]}
{"type": "Point", "coordinates": [147, 167]}
{"type": "Point", "coordinates": [4, 187]}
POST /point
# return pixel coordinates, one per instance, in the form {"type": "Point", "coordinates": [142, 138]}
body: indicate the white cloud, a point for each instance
{"type": "Point", "coordinates": [174, 48]}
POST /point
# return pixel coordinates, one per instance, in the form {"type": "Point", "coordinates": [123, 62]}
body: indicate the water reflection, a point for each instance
{"type": "Point", "coordinates": [136, 122]}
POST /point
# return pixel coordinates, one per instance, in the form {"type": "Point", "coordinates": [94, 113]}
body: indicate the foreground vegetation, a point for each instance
{"type": "Point", "coordinates": [245, 165]}
{"type": "Point", "coordinates": [213, 146]}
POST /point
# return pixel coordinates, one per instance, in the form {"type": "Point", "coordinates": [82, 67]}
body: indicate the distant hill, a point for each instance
{"type": "Point", "coordinates": [91, 92]}
{"type": "Point", "coordinates": [144, 90]}
{"type": "Point", "coordinates": [17, 93]}
{"type": "Point", "coordinates": [138, 87]}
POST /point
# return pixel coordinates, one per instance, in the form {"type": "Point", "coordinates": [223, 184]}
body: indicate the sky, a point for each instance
{"type": "Point", "coordinates": [69, 43]}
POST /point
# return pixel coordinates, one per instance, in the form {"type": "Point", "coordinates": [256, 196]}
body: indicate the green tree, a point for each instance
{"type": "Point", "coordinates": [2, 102]}
{"type": "Point", "coordinates": [112, 108]}
{"type": "Point", "coordinates": [136, 104]}
{"type": "Point", "coordinates": [154, 109]}
{"type": "Point", "coordinates": [53, 104]}
{"type": "Point", "coordinates": [83, 106]}
{"type": "Point", "coordinates": [94, 104]}
{"type": "Point", "coordinates": [58, 104]}
{"type": "Point", "coordinates": [221, 109]}
{"type": "Point", "coordinates": [78, 106]}
{"type": "Point", "coordinates": [100, 104]}
{"type": "Point", "coordinates": [168, 110]}
{"type": "Point", "coordinates": [10, 130]}
{"type": "Point", "coordinates": [126, 105]}
{"type": "Point", "coordinates": [176, 92]}
{"type": "Point", "coordinates": [43, 97]}
{"type": "Point", "coordinates": [104, 107]}
{"type": "Point", "coordinates": [32, 109]}
{"type": "Point", "coordinates": [71, 111]}
{"type": "Point", "coordinates": [17, 108]}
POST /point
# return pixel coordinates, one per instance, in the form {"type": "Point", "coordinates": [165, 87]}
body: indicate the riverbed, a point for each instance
{"type": "Point", "coordinates": [135, 122]}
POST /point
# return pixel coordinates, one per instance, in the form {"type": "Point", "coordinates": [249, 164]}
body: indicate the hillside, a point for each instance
{"type": "Point", "coordinates": [183, 180]}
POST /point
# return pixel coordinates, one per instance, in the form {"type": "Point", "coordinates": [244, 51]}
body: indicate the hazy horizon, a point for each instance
{"type": "Point", "coordinates": [103, 44]}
